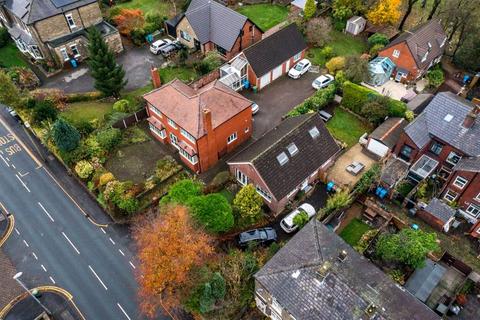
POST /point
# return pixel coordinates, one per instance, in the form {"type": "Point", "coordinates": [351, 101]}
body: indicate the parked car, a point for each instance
{"type": "Point", "coordinates": [14, 114]}
{"type": "Point", "coordinates": [168, 50]}
{"type": "Point", "coordinates": [255, 108]}
{"type": "Point", "coordinates": [287, 223]}
{"type": "Point", "coordinates": [299, 69]}
{"type": "Point", "coordinates": [322, 81]}
{"type": "Point", "coordinates": [258, 236]}
{"type": "Point", "coordinates": [159, 44]}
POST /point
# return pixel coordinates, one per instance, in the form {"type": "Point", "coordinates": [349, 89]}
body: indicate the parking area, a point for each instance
{"type": "Point", "coordinates": [277, 99]}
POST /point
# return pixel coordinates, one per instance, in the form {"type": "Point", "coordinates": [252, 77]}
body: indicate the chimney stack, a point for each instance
{"type": "Point", "coordinates": [155, 78]}
{"type": "Point", "coordinates": [470, 118]}
{"type": "Point", "coordinates": [207, 120]}
{"type": "Point", "coordinates": [342, 255]}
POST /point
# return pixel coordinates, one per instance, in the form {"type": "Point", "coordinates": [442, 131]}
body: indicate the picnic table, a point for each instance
{"type": "Point", "coordinates": [355, 168]}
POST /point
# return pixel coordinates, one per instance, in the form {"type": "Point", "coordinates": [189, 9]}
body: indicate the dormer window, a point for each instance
{"type": "Point", "coordinates": [314, 133]}
{"type": "Point", "coordinates": [448, 118]}
{"type": "Point", "coordinates": [292, 149]}
{"type": "Point", "coordinates": [396, 53]}
{"type": "Point", "coordinates": [443, 42]}
{"type": "Point", "coordinates": [425, 56]}
{"type": "Point", "coordinates": [70, 21]}
{"type": "Point", "coordinates": [282, 158]}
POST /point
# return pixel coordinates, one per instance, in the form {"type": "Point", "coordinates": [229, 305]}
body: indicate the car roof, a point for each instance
{"type": "Point", "coordinates": [158, 42]}
{"type": "Point", "coordinates": [303, 61]}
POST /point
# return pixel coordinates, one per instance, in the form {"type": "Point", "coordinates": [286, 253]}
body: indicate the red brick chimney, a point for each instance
{"type": "Point", "coordinates": [470, 118]}
{"type": "Point", "coordinates": [211, 156]}
{"type": "Point", "coordinates": [155, 77]}
{"type": "Point", "coordinates": [207, 120]}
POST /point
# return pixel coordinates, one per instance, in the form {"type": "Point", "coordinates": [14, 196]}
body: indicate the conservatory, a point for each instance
{"type": "Point", "coordinates": [380, 69]}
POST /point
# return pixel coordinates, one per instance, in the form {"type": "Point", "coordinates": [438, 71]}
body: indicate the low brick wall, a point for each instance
{"type": "Point", "coordinates": [206, 79]}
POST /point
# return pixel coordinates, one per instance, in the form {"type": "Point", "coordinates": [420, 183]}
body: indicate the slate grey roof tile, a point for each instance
{"type": "Point", "coordinates": [439, 209]}
{"type": "Point", "coordinates": [468, 164]}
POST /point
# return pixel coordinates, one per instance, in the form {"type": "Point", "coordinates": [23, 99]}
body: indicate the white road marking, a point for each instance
{"type": "Point", "coordinates": [43, 267]}
{"type": "Point", "coordinates": [22, 175]}
{"type": "Point", "coordinates": [46, 212]}
{"type": "Point", "coordinates": [23, 183]}
{"type": "Point", "coordinates": [34, 255]}
{"type": "Point", "coordinates": [133, 266]}
{"type": "Point", "coordinates": [13, 166]}
{"type": "Point", "coordinates": [123, 254]}
{"type": "Point", "coordinates": [70, 242]}
{"type": "Point", "coordinates": [26, 243]}
{"type": "Point", "coordinates": [111, 240]}
{"type": "Point", "coordinates": [126, 315]}
{"type": "Point", "coordinates": [51, 279]}
{"type": "Point", "coordinates": [8, 159]}
{"type": "Point", "coordinates": [18, 232]}
{"type": "Point", "coordinates": [103, 230]}
{"type": "Point", "coordinates": [98, 278]}
{"type": "Point", "coordinates": [8, 165]}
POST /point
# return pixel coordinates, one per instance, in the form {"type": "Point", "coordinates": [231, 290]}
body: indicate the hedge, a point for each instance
{"type": "Point", "coordinates": [355, 96]}
{"type": "Point", "coordinates": [320, 99]}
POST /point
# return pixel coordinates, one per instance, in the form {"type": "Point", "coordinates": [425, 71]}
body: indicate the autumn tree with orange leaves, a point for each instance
{"type": "Point", "coordinates": [169, 249]}
{"type": "Point", "coordinates": [128, 20]}
{"type": "Point", "coordinates": [385, 12]}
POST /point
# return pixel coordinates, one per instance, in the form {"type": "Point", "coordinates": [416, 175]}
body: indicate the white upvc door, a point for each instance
{"type": "Point", "coordinates": [265, 80]}
{"type": "Point", "coordinates": [277, 72]}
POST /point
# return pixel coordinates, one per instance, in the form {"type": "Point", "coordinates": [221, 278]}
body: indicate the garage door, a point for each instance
{"type": "Point", "coordinates": [265, 80]}
{"type": "Point", "coordinates": [277, 72]}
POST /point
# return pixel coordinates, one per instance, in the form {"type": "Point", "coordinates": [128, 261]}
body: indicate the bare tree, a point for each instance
{"type": "Point", "coordinates": [318, 31]}
{"type": "Point", "coordinates": [410, 4]}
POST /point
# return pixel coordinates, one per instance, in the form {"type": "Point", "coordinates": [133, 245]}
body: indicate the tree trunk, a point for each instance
{"type": "Point", "coordinates": [454, 30]}
{"type": "Point", "coordinates": [424, 4]}
{"type": "Point", "coordinates": [461, 39]}
{"type": "Point", "coordinates": [407, 13]}
{"type": "Point", "coordinates": [435, 5]}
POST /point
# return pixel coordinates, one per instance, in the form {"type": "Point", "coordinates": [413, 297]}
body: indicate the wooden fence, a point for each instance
{"type": "Point", "coordinates": [131, 119]}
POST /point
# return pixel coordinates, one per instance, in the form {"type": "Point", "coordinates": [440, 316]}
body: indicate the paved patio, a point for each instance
{"type": "Point", "coordinates": [340, 176]}
{"type": "Point", "coordinates": [392, 89]}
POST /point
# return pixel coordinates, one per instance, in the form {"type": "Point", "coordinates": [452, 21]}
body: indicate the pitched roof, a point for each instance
{"type": "Point", "coordinates": [31, 11]}
{"type": "Point", "coordinates": [349, 288]}
{"type": "Point", "coordinates": [427, 37]}
{"type": "Point", "coordinates": [443, 118]}
{"type": "Point", "coordinates": [275, 49]}
{"type": "Point", "coordinates": [440, 210]}
{"type": "Point", "coordinates": [389, 131]}
{"type": "Point", "coordinates": [468, 164]}
{"type": "Point", "coordinates": [214, 22]}
{"type": "Point", "coordinates": [185, 105]}
{"type": "Point", "coordinates": [312, 153]}
{"type": "Point", "coordinates": [393, 171]}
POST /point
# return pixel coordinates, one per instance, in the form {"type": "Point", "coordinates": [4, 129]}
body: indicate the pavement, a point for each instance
{"type": "Point", "coordinates": [60, 237]}
{"type": "Point", "coordinates": [136, 62]}
{"type": "Point", "coordinates": [277, 99]}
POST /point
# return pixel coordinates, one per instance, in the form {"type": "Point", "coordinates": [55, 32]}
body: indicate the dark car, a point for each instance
{"type": "Point", "coordinates": [169, 49]}
{"type": "Point", "coordinates": [258, 236]}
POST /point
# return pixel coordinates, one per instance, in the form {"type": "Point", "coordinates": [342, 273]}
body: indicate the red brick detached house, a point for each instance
{"type": "Point", "coordinates": [286, 160]}
{"type": "Point", "coordinates": [415, 51]}
{"type": "Point", "coordinates": [445, 139]}
{"type": "Point", "coordinates": [203, 124]}
{"type": "Point", "coordinates": [210, 26]}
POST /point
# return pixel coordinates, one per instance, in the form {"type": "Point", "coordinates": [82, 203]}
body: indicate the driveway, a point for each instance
{"type": "Point", "coordinates": [135, 61]}
{"type": "Point", "coordinates": [277, 99]}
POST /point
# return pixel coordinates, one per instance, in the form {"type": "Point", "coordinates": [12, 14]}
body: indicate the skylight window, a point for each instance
{"type": "Point", "coordinates": [292, 149]}
{"type": "Point", "coordinates": [282, 158]}
{"type": "Point", "coordinates": [314, 132]}
{"type": "Point", "coordinates": [448, 118]}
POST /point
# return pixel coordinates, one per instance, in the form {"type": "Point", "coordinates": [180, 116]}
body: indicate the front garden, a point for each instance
{"type": "Point", "coordinates": [264, 15]}
{"type": "Point", "coordinates": [10, 56]}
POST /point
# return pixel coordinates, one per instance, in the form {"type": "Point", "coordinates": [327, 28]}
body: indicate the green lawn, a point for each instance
{"type": "Point", "coordinates": [182, 73]}
{"type": "Point", "coordinates": [265, 15]}
{"type": "Point", "coordinates": [346, 127]}
{"type": "Point", "coordinates": [10, 56]}
{"type": "Point", "coordinates": [342, 44]}
{"type": "Point", "coordinates": [88, 110]}
{"type": "Point", "coordinates": [354, 231]}
{"type": "Point", "coordinates": [164, 8]}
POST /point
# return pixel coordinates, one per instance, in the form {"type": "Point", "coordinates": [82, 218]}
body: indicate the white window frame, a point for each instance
{"type": "Point", "coordinates": [185, 36]}
{"type": "Point", "coordinates": [297, 57]}
{"type": "Point", "coordinates": [232, 137]}
{"type": "Point", "coordinates": [155, 110]}
{"type": "Point", "coordinates": [161, 133]}
{"type": "Point", "coordinates": [264, 194]}
{"type": "Point", "coordinates": [276, 306]}
{"type": "Point", "coordinates": [450, 195]}
{"type": "Point", "coordinates": [64, 53]}
{"type": "Point", "coordinates": [396, 53]}
{"type": "Point", "coordinates": [292, 193]}
{"type": "Point", "coordinates": [451, 155]}
{"type": "Point", "coordinates": [192, 159]}
{"type": "Point", "coordinates": [70, 21]}
{"type": "Point", "coordinates": [471, 208]}
{"type": "Point", "coordinates": [292, 149]}
{"type": "Point", "coordinates": [37, 54]}
{"type": "Point", "coordinates": [187, 135]}
{"type": "Point", "coordinates": [241, 177]}
{"type": "Point", "coordinates": [247, 129]}
{"type": "Point", "coordinates": [172, 123]}
{"type": "Point", "coordinates": [174, 138]}
{"type": "Point", "coordinates": [478, 197]}
{"type": "Point", "coordinates": [74, 48]}
{"type": "Point", "coordinates": [459, 183]}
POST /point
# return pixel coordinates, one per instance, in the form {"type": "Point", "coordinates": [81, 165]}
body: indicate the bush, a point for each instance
{"type": "Point", "coordinates": [212, 61]}
{"type": "Point", "coordinates": [75, 155]}
{"type": "Point", "coordinates": [337, 201]}
{"type": "Point", "coordinates": [327, 52]}
{"type": "Point", "coordinates": [166, 167]}
{"type": "Point", "coordinates": [154, 21]}
{"type": "Point", "coordinates": [109, 138]}
{"type": "Point", "coordinates": [122, 106]}
{"type": "Point", "coordinates": [182, 191]}
{"type": "Point", "coordinates": [4, 37]}
{"type": "Point", "coordinates": [300, 219]}
{"type": "Point", "coordinates": [356, 69]}
{"type": "Point", "coordinates": [202, 298]}
{"type": "Point", "coordinates": [409, 115]}
{"type": "Point", "coordinates": [80, 97]}
{"type": "Point", "coordinates": [396, 108]}
{"type": "Point", "coordinates": [84, 169]}
{"type": "Point", "coordinates": [335, 64]}
{"type": "Point", "coordinates": [83, 126]}
{"type": "Point", "coordinates": [138, 36]}
{"type": "Point", "coordinates": [248, 203]}
{"type": "Point", "coordinates": [320, 99]}
{"type": "Point", "coordinates": [376, 110]}
{"type": "Point", "coordinates": [120, 194]}
{"type": "Point", "coordinates": [367, 179]}
{"type": "Point", "coordinates": [65, 136]}
{"type": "Point", "coordinates": [212, 211]}
{"type": "Point", "coordinates": [105, 178]}
{"type": "Point", "coordinates": [435, 77]}
{"type": "Point", "coordinates": [377, 39]}
{"type": "Point", "coordinates": [93, 148]}
{"type": "Point", "coordinates": [44, 111]}
{"type": "Point", "coordinates": [375, 49]}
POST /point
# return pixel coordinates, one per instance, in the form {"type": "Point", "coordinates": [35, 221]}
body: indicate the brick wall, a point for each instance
{"type": "Point", "coordinates": [431, 220]}
{"type": "Point", "coordinates": [214, 75]}
{"type": "Point", "coordinates": [91, 15]}
{"type": "Point", "coordinates": [468, 193]}
{"type": "Point", "coordinates": [251, 34]}
{"type": "Point", "coordinates": [183, 25]}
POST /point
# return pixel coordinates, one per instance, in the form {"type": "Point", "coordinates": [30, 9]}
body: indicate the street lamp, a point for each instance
{"type": "Point", "coordinates": [17, 278]}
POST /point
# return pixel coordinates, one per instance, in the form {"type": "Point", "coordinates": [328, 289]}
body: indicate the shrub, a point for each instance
{"type": "Point", "coordinates": [318, 31]}
{"type": "Point", "coordinates": [409, 115]}
{"type": "Point", "coordinates": [154, 21]}
{"type": "Point", "coordinates": [248, 203]}
{"type": "Point", "coordinates": [109, 138]}
{"type": "Point", "coordinates": [129, 205]}
{"type": "Point", "coordinates": [65, 136]}
{"type": "Point", "coordinates": [9, 93]}
{"type": "Point", "coordinates": [122, 106]}
{"type": "Point", "coordinates": [300, 219]}
{"type": "Point", "coordinates": [335, 64]}
{"type": "Point", "coordinates": [202, 298]}
{"type": "Point", "coordinates": [337, 201]}
{"type": "Point", "coordinates": [212, 211]}
{"type": "Point", "coordinates": [320, 99]}
{"type": "Point", "coordinates": [376, 110]}
{"type": "Point", "coordinates": [182, 191]}
{"type": "Point", "coordinates": [137, 36]}
{"type": "Point", "coordinates": [73, 156]}
{"type": "Point", "coordinates": [377, 39]}
{"type": "Point", "coordinates": [310, 9]}
{"type": "Point", "coordinates": [375, 49]}
{"type": "Point", "coordinates": [4, 37]}
{"type": "Point", "coordinates": [93, 148]}
{"type": "Point", "coordinates": [83, 126]}
{"type": "Point", "coordinates": [367, 179]}
{"type": "Point", "coordinates": [119, 194]}
{"type": "Point", "coordinates": [80, 97]}
{"type": "Point", "coordinates": [212, 61]}
{"type": "Point", "coordinates": [128, 20]}
{"type": "Point", "coordinates": [356, 69]}
{"type": "Point", "coordinates": [44, 111]}
{"type": "Point", "coordinates": [166, 167]}
{"type": "Point", "coordinates": [84, 169]}
{"type": "Point", "coordinates": [327, 52]}
{"type": "Point", "coordinates": [396, 108]}
{"type": "Point", "coordinates": [435, 77]}
{"type": "Point", "coordinates": [105, 178]}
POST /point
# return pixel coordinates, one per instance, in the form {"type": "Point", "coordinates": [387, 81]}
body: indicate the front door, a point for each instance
{"type": "Point", "coordinates": [277, 72]}
{"type": "Point", "coordinates": [197, 44]}
{"type": "Point", "coordinates": [174, 140]}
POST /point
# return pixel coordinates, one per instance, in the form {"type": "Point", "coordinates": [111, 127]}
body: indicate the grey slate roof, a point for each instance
{"type": "Point", "coordinates": [389, 131]}
{"type": "Point", "coordinates": [393, 170]}
{"type": "Point", "coordinates": [18, 33]}
{"type": "Point", "coordinates": [275, 49]}
{"type": "Point", "coordinates": [424, 280]}
{"type": "Point", "coordinates": [431, 123]}
{"type": "Point", "coordinates": [214, 22]}
{"type": "Point", "coordinates": [439, 209]}
{"type": "Point", "coordinates": [468, 164]}
{"type": "Point", "coordinates": [348, 289]}
{"type": "Point", "coordinates": [312, 154]}
{"type": "Point", "coordinates": [418, 39]}
{"type": "Point", "coordinates": [103, 27]}
{"type": "Point", "coordinates": [31, 11]}
{"type": "Point", "coordinates": [419, 102]}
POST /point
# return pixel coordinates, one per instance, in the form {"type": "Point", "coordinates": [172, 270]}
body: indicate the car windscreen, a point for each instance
{"type": "Point", "coordinates": [299, 67]}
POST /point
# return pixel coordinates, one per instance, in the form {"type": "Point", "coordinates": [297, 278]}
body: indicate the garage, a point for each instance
{"type": "Point", "coordinates": [264, 80]}
{"type": "Point", "coordinates": [277, 72]}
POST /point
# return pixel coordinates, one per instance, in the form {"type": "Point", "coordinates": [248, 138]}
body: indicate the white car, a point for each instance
{"type": "Point", "coordinates": [158, 45]}
{"type": "Point", "coordinates": [299, 69]}
{"type": "Point", "coordinates": [255, 108]}
{"type": "Point", "coordinates": [322, 81]}
{"type": "Point", "coordinates": [287, 223]}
